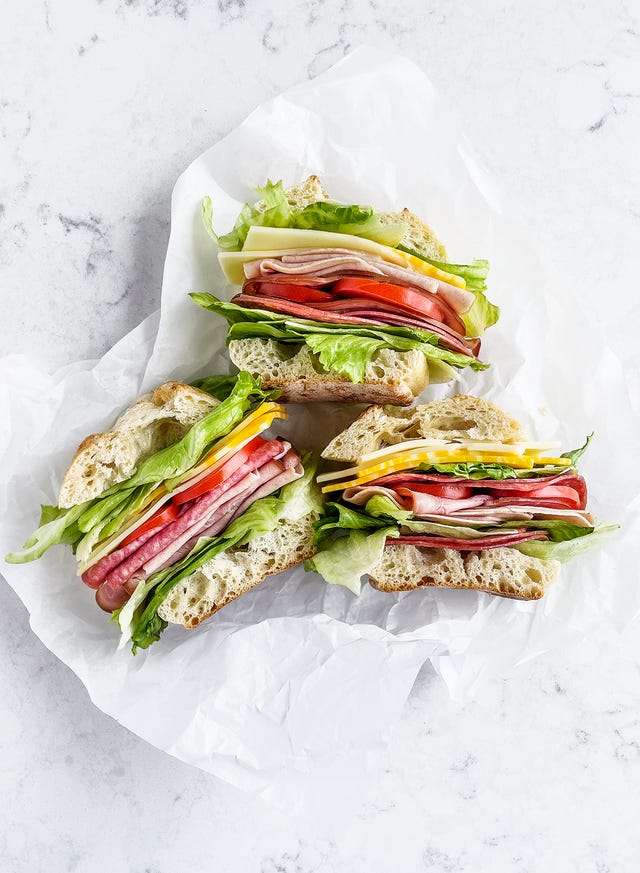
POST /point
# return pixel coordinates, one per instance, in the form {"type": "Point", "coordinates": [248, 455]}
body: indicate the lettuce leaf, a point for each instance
{"type": "Point", "coordinates": [483, 313]}
{"type": "Point", "coordinates": [56, 526]}
{"type": "Point", "coordinates": [339, 517]}
{"type": "Point", "coordinates": [347, 352]}
{"type": "Point", "coordinates": [303, 496]}
{"type": "Point", "coordinates": [564, 550]}
{"type": "Point", "coordinates": [354, 220]}
{"type": "Point", "coordinates": [576, 454]}
{"type": "Point", "coordinates": [278, 213]}
{"type": "Point", "coordinates": [345, 560]}
{"type": "Point", "coordinates": [340, 354]}
{"type": "Point", "coordinates": [219, 387]}
{"type": "Point", "coordinates": [322, 215]}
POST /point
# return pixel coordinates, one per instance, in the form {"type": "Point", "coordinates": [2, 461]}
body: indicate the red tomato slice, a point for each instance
{"type": "Point", "coordinates": [296, 293]}
{"type": "Point", "coordinates": [562, 493]}
{"type": "Point", "coordinates": [219, 473]}
{"type": "Point", "coordinates": [161, 517]}
{"type": "Point", "coordinates": [412, 301]}
{"type": "Point", "coordinates": [451, 492]}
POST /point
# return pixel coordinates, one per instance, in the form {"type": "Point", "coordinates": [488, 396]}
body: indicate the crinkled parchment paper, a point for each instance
{"type": "Point", "coordinates": [298, 677]}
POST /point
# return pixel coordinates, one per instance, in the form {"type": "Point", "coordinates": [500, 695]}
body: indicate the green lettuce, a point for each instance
{"type": "Point", "coordinates": [566, 549]}
{"type": "Point", "coordinates": [478, 470]}
{"type": "Point", "coordinates": [322, 215]}
{"type": "Point", "coordinates": [219, 387]}
{"type": "Point", "coordinates": [354, 220]}
{"type": "Point", "coordinates": [56, 526]}
{"type": "Point", "coordinates": [576, 454]}
{"type": "Point", "coordinates": [277, 213]}
{"type": "Point", "coordinates": [347, 354]}
{"type": "Point", "coordinates": [345, 560]}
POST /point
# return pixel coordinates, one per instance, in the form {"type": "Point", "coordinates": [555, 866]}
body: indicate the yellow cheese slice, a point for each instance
{"type": "Point", "coordinates": [272, 242]}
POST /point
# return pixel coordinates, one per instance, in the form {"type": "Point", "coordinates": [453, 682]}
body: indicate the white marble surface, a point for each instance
{"type": "Point", "coordinates": [101, 106]}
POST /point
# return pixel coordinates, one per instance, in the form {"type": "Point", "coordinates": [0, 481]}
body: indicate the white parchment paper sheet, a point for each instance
{"type": "Point", "coordinates": [298, 677]}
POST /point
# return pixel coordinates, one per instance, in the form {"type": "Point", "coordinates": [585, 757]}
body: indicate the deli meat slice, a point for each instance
{"type": "Point", "coordinates": [475, 545]}
{"type": "Point", "coordinates": [325, 262]}
{"type": "Point", "coordinates": [371, 317]}
{"type": "Point", "coordinates": [500, 488]}
{"type": "Point", "coordinates": [132, 561]}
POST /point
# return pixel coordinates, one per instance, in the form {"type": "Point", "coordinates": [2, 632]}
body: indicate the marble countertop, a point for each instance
{"type": "Point", "coordinates": [101, 107]}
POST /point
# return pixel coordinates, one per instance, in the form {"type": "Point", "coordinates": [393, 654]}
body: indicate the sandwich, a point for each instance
{"type": "Point", "coordinates": [343, 302]}
{"type": "Point", "coordinates": [183, 505]}
{"type": "Point", "coordinates": [450, 494]}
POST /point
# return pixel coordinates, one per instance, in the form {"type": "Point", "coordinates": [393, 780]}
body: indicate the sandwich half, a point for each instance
{"type": "Point", "coordinates": [450, 494]}
{"type": "Point", "coordinates": [182, 506]}
{"type": "Point", "coordinates": [342, 302]}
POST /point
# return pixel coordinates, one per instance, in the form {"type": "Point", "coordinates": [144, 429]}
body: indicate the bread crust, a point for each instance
{"type": "Point", "coordinates": [156, 420]}
{"type": "Point", "coordinates": [390, 377]}
{"type": "Point", "coordinates": [231, 574]}
{"type": "Point", "coordinates": [504, 572]}
{"type": "Point", "coordinates": [458, 417]}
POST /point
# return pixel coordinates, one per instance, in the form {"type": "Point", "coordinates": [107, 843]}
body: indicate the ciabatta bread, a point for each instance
{"type": "Point", "coordinates": [459, 417]}
{"type": "Point", "coordinates": [155, 421]}
{"type": "Point", "coordinates": [506, 572]}
{"type": "Point", "coordinates": [233, 573]}
{"type": "Point", "coordinates": [390, 377]}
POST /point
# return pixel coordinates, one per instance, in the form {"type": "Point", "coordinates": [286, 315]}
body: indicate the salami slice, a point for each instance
{"type": "Point", "coordinates": [460, 545]}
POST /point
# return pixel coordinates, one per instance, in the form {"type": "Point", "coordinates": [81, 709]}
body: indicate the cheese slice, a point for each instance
{"type": "Point", "coordinates": [270, 242]}
{"type": "Point", "coordinates": [365, 473]}
{"type": "Point", "coordinates": [520, 448]}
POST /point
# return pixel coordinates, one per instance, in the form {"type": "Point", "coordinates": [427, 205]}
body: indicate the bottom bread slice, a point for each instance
{"type": "Point", "coordinates": [505, 572]}
{"type": "Point", "coordinates": [232, 573]}
{"type": "Point", "coordinates": [390, 377]}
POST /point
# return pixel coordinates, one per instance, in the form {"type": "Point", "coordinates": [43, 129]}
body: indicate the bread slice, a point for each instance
{"type": "Point", "coordinates": [505, 572]}
{"type": "Point", "coordinates": [390, 377]}
{"type": "Point", "coordinates": [459, 417]}
{"type": "Point", "coordinates": [301, 195]}
{"type": "Point", "coordinates": [155, 421]}
{"type": "Point", "coordinates": [232, 573]}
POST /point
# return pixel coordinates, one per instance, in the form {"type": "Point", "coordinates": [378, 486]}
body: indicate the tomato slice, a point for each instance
{"type": "Point", "coordinates": [160, 518]}
{"type": "Point", "coordinates": [296, 293]}
{"type": "Point", "coordinates": [564, 494]}
{"type": "Point", "coordinates": [219, 473]}
{"type": "Point", "coordinates": [411, 300]}
{"type": "Point", "coordinates": [453, 491]}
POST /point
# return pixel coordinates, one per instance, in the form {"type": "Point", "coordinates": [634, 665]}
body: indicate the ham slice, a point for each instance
{"type": "Point", "coordinates": [200, 510]}
{"type": "Point", "coordinates": [325, 262]}
{"type": "Point", "coordinates": [501, 488]}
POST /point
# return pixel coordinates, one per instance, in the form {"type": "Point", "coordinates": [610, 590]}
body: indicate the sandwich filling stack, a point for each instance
{"type": "Point", "coordinates": [343, 302]}
{"type": "Point", "coordinates": [182, 506]}
{"type": "Point", "coordinates": [451, 494]}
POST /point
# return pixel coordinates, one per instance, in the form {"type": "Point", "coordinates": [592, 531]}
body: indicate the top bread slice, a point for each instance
{"type": "Point", "coordinates": [459, 417]}
{"type": "Point", "coordinates": [418, 235]}
{"type": "Point", "coordinates": [156, 420]}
